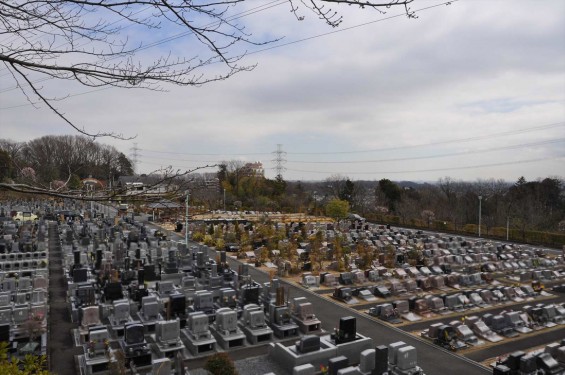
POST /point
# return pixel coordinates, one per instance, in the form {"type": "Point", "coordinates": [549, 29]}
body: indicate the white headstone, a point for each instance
{"type": "Point", "coordinates": [406, 358]}
{"type": "Point", "coordinates": [168, 330]}
{"type": "Point", "coordinates": [20, 314]}
{"type": "Point", "coordinates": [40, 282]}
{"type": "Point", "coordinates": [307, 369]}
{"type": "Point", "coordinates": [24, 283]}
{"type": "Point", "coordinates": [121, 310]}
{"type": "Point", "coordinates": [198, 322]}
{"type": "Point", "coordinates": [90, 316]}
{"type": "Point", "coordinates": [161, 366]}
{"type": "Point", "coordinates": [367, 360]}
{"type": "Point", "coordinates": [5, 316]}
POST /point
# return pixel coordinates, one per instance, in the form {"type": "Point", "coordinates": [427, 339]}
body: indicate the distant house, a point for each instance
{"type": "Point", "coordinates": [92, 184]}
{"type": "Point", "coordinates": [206, 181]}
{"type": "Point", "coordinates": [165, 208]}
{"type": "Point", "coordinates": [253, 170]}
{"type": "Point", "coordinates": [145, 185]}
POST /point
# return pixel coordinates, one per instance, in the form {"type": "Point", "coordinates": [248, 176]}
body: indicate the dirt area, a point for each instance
{"type": "Point", "coordinates": [170, 225]}
{"type": "Point", "coordinates": [280, 218]}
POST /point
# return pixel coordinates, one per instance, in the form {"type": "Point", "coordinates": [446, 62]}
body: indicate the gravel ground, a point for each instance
{"type": "Point", "coordinates": [251, 366]}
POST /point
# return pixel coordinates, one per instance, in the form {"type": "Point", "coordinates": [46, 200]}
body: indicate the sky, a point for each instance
{"type": "Point", "coordinates": [470, 90]}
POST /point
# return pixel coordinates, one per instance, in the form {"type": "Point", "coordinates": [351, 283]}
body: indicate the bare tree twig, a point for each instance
{"type": "Point", "coordinates": [84, 41]}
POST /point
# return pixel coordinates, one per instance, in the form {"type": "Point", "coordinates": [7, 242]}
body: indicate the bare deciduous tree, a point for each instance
{"type": "Point", "coordinates": [86, 41]}
{"type": "Point", "coordinates": [172, 184]}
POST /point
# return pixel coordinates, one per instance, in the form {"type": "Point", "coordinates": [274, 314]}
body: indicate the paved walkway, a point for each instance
{"type": "Point", "coordinates": [61, 350]}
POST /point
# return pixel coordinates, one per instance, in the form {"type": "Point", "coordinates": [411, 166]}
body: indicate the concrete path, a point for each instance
{"type": "Point", "coordinates": [61, 349]}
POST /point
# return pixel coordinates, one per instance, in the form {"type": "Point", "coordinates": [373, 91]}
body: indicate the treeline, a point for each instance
{"type": "Point", "coordinates": [246, 189]}
{"type": "Point", "coordinates": [56, 158]}
{"type": "Point", "coordinates": [526, 209]}
{"type": "Point", "coordinates": [523, 205]}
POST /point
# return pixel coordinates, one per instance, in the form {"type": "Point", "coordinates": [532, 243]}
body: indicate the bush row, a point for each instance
{"type": "Point", "coordinates": [514, 235]}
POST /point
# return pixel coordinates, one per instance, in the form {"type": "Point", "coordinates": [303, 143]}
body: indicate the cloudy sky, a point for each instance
{"type": "Point", "coordinates": [474, 89]}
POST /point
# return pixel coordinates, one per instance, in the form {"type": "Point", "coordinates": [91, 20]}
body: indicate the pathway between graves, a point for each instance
{"type": "Point", "coordinates": [431, 358]}
{"type": "Point", "coordinates": [61, 350]}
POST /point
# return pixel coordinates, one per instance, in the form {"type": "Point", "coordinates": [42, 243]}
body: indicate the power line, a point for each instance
{"type": "Point", "coordinates": [470, 152]}
{"type": "Point", "coordinates": [436, 169]}
{"type": "Point", "coordinates": [478, 166]}
{"type": "Point", "coordinates": [37, 37]}
{"type": "Point", "coordinates": [185, 160]}
{"type": "Point", "coordinates": [234, 17]}
{"type": "Point", "coordinates": [283, 160]}
{"type": "Point", "coordinates": [68, 96]}
{"type": "Point", "coordinates": [350, 28]}
{"type": "Point", "coordinates": [168, 165]}
{"type": "Point", "coordinates": [468, 139]}
{"type": "Point", "coordinates": [280, 45]}
{"type": "Point", "coordinates": [449, 141]}
{"type": "Point", "coordinates": [205, 154]}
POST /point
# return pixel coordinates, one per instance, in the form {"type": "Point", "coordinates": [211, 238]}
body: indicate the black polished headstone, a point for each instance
{"type": "Point", "coordinates": [347, 329]}
{"type": "Point", "coordinates": [149, 271]}
{"type": "Point", "coordinates": [513, 360]}
{"type": "Point", "coordinates": [80, 275]}
{"type": "Point", "coordinates": [528, 364]}
{"type": "Point", "coordinates": [5, 333]}
{"type": "Point", "coordinates": [381, 360]}
{"type": "Point", "coordinates": [500, 370]}
{"type": "Point", "coordinates": [337, 363]}
{"type": "Point", "coordinates": [308, 343]}
{"type": "Point", "coordinates": [178, 304]}
{"type": "Point", "coordinates": [98, 259]}
{"type": "Point", "coordinates": [134, 334]}
{"type": "Point", "coordinates": [113, 291]}
{"type": "Point", "coordinates": [76, 256]}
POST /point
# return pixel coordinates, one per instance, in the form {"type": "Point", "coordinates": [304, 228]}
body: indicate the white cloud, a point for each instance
{"type": "Point", "coordinates": [471, 68]}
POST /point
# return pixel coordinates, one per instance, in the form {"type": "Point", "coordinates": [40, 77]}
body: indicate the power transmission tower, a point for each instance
{"type": "Point", "coordinates": [134, 155]}
{"type": "Point", "coordinates": [279, 160]}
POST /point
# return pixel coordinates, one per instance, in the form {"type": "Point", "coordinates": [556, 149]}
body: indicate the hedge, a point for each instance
{"type": "Point", "coordinates": [549, 239]}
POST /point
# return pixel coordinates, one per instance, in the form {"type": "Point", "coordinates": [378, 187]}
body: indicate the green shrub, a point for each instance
{"type": "Point", "coordinates": [394, 219]}
{"type": "Point", "coordinates": [498, 232]}
{"type": "Point", "coordinates": [441, 225]}
{"type": "Point", "coordinates": [197, 237]}
{"type": "Point", "coordinates": [220, 364]}
{"type": "Point", "coordinates": [470, 228]}
{"type": "Point", "coordinates": [209, 240]}
{"type": "Point", "coordinates": [220, 243]}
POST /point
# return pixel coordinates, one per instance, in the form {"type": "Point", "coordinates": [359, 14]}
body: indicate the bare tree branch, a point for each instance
{"type": "Point", "coordinates": [85, 41]}
{"type": "Point", "coordinates": [170, 179]}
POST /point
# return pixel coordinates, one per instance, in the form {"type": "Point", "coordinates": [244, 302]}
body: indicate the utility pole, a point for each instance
{"type": "Point", "coordinates": [480, 206]}
{"type": "Point", "coordinates": [224, 199]}
{"type": "Point", "coordinates": [134, 155]}
{"type": "Point", "coordinates": [507, 227]}
{"type": "Point", "coordinates": [279, 160]}
{"type": "Point", "coordinates": [186, 220]}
